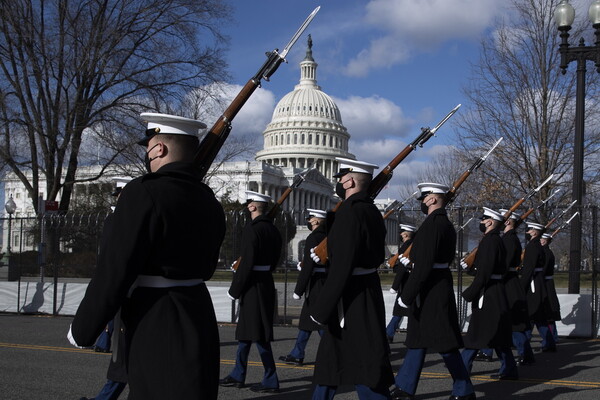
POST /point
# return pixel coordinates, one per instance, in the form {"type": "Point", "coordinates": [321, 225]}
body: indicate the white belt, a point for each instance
{"type": "Point", "coordinates": [548, 277]}
{"type": "Point", "coordinates": [512, 270]}
{"type": "Point", "coordinates": [496, 276]}
{"type": "Point", "coordinates": [538, 270]}
{"type": "Point", "coordinates": [261, 268]}
{"type": "Point", "coordinates": [363, 271]}
{"type": "Point", "coordinates": [440, 265]}
{"type": "Point", "coordinates": [154, 281]}
{"type": "Point", "coordinates": [319, 269]}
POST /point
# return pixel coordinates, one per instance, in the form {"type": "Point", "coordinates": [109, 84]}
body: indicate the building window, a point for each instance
{"type": "Point", "coordinates": [295, 138]}
{"type": "Point", "coordinates": [302, 139]}
{"type": "Point", "coordinates": [317, 140]}
{"type": "Point", "coordinates": [310, 139]}
{"type": "Point", "coordinates": [288, 138]}
{"type": "Point", "coordinates": [275, 140]}
{"type": "Point", "coordinates": [330, 141]}
{"type": "Point", "coordinates": [336, 142]}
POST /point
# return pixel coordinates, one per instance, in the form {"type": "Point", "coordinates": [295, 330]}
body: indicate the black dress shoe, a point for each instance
{"type": "Point", "coordinates": [399, 394]}
{"type": "Point", "coordinates": [292, 360]}
{"type": "Point", "coordinates": [229, 381]}
{"type": "Point", "coordinates": [467, 397]}
{"type": "Point", "coordinates": [483, 357]}
{"type": "Point", "coordinates": [524, 361]}
{"type": "Point", "coordinates": [260, 388]}
{"type": "Point", "coordinates": [549, 349]}
{"type": "Point", "coordinates": [504, 377]}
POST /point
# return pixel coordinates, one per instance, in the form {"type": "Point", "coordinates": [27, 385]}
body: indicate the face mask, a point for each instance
{"type": "Point", "coordinates": [148, 160]}
{"type": "Point", "coordinates": [309, 225]}
{"type": "Point", "coordinates": [424, 208]}
{"type": "Point", "coordinates": [527, 237]}
{"type": "Point", "coordinates": [340, 191]}
{"type": "Point", "coordinates": [482, 228]}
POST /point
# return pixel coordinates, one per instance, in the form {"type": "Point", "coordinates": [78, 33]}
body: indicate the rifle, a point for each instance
{"type": "Point", "coordinates": [452, 192]}
{"type": "Point", "coordinates": [384, 176]}
{"type": "Point", "coordinates": [298, 179]}
{"type": "Point", "coordinates": [399, 206]}
{"type": "Point", "coordinates": [213, 140]}
{"type": "Point", "coordinates": [564, 225]}
{"type": "Point", "coordinates": [470, 258]}
{"type": "Point", "coordinates": [553, 220]}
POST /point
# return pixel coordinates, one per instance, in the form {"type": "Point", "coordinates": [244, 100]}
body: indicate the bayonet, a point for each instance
{"type": "Point", "coordinates": [215, 137]}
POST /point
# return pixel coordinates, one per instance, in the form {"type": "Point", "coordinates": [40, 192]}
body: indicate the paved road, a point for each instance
{"type": "Point", "coordinates": [37, 362]}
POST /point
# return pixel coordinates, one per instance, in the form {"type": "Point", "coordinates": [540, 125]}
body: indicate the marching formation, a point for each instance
{"type": "Point", "coordinates": [155, 259]}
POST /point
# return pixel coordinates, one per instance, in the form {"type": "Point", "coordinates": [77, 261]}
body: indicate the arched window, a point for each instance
{"type": "Point", "coordinates": [310, 139]}
{"type": "Point", "coordinates": [302, 139]}
{"type": "Point", "coordinates": [295, 138]}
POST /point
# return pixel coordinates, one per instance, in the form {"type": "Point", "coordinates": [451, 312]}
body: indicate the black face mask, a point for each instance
{"type": "Point", "coordinates": [340, 191]}
{"type": "Point", "coordinates": [309, 225]}
{"type": "Point", "coordinates": [424, 208]}
{"type": "Point", "coordinates": [482, 228]}
{"type": "Point", "coordinates": [527, 237]}
{"type": "Point", "coordinates": [148, 160]}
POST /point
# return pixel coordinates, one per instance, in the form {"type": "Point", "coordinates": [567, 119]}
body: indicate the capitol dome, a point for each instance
{"type": "Point", "coordinates": [306, 126]}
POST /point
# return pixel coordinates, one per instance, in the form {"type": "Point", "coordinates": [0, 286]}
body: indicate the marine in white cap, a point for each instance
{"type": "Point", "coordinates": [489, 326]}
{"type": "Point", "coordinates": [355, 245]}
{"type": "Point", "coordinates": [253, 286]}
{"type": "Point", "coordinates": [515, 293]}
{"type": "Point", "coordinates": [309, 284]}
{"type": "Point", "coordinates": [167, 231]}
{"type": "Point", "coordinates": [401, 272]}
{"type": "Point", "coordinates": [552, 303]}
{"type": "Point", "coordinates": [169, 137]}
{"type": "Point", "coordinates": [428, 290]}
{"type": "Point", "coordinates": [532, 280]}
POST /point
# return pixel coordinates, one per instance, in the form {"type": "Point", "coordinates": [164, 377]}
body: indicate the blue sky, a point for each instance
{"type": "Point", "coordinates": [392, 66]}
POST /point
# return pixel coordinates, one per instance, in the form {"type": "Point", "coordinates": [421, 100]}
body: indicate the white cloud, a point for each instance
{"type": "Point", "coordinates": [409, 26]}
{"type": "Point", "coordinates": [372, 118]}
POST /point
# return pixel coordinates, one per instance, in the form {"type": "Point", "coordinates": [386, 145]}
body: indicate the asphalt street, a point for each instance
{"type": "Point", "coordinates": [37, 362]}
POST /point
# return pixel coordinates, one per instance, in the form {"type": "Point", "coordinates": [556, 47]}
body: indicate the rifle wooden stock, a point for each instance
{"type": "Point", "coordinates": [388, 213]}
{"type": "Point", "coordinates": [393, 260]}
{"type": "Point", "coordinates": [213, 140]}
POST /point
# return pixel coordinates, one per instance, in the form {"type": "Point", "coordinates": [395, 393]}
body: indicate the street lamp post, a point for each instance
{"type": "Point", "coordinates": [10, 208]}
{"type": "Point", "coordinates": [564, 16]}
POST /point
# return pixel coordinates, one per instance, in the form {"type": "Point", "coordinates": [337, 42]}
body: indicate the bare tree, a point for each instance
{"type": "Point", "coordinates": [74, 66]}
{"type": "Point", "coordinates": [517, 92]}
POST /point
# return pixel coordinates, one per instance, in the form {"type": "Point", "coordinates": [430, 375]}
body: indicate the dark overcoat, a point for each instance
{"type": "Point", "coordinates": [117, 368]}
{"type": "Point", "coordinates": [166, 224]}
{"type": "Point", "coordinates": [261, 246]}
{"type": "Point", "coordinates": [489, 324]}
{"type": "Point", "coordinates": [552, 306]}
{"type": "Point", "coordinates": [515, 294]}
{"type": "Point", "coordinates": [309, 281]}
{"type": "Point", "coordinates": [433, 322]}
{"type": "Point", "coordinates": [358, 352]}
{"type": "Point", "coordinates": [532, 279]}
{"type": "Point", "coordinates": [400, 279]}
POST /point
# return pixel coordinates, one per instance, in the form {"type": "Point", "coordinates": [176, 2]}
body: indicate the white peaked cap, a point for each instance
{"type": "Point", "coordinates": [121, 181]}
{"type": "Point", "coordinates": [255, 196]}
{"type": "Point", "coordinates": [514, 215]}
{"type": "Point", "coordinates": [408, 228]}
{"type": "Point", "coordinates": [316, 213]}
{"type": "Point", "coordinates": [169, 125]}
{"type": "Point", "coordinates": [488, 212]}
{"type": "Point", "coordinates": [428, 187]}
{"type": "Point", "coordinates": [347, 165]}
{"type": "Point", "coordinates": [536, 226]}
{"type": "Point", "coordinates": [546, 236]}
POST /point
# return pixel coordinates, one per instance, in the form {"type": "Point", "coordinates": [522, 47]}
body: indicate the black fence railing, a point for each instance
{"type": "Point", "coordinates": [63, 248]}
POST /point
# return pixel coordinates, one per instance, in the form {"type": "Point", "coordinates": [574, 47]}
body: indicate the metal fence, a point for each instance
{"type": "Point", "coordinates": [63, 248]}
